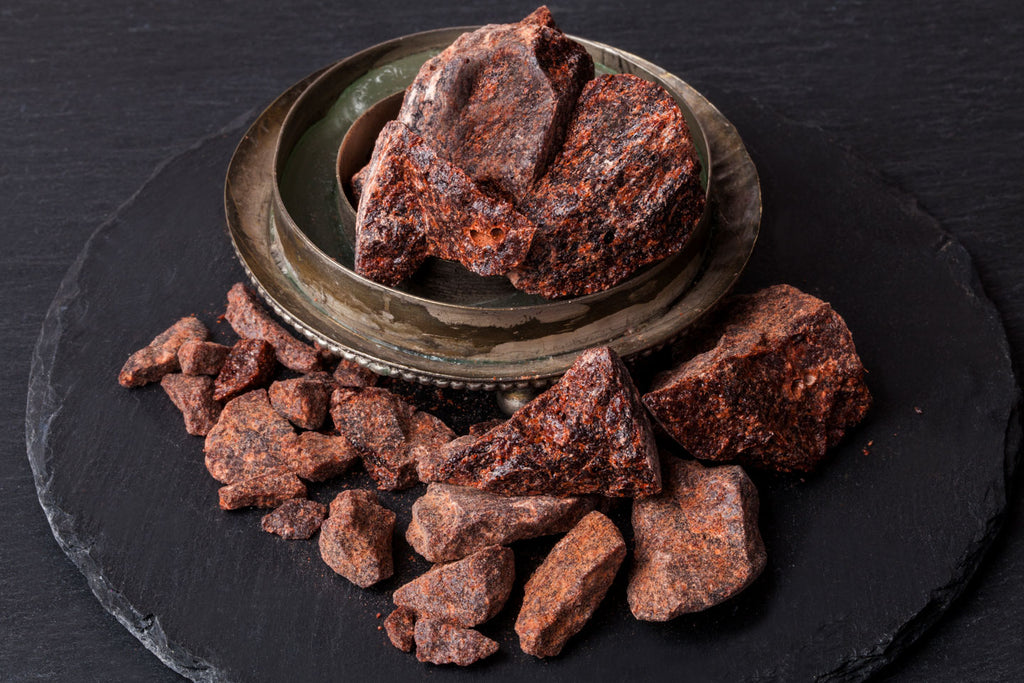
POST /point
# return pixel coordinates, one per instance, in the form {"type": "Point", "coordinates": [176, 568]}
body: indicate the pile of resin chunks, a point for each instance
{"type": "Point", "coordinates": [509, 157]}
{"type": "Point", "coordinates": [775, 381]}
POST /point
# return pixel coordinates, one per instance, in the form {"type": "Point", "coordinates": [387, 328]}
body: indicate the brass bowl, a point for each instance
{"type": "Point", "coordinates": [293, 229]}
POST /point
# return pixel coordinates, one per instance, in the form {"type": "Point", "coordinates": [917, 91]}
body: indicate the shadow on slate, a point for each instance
{"type": "Point", "coordinates": [863, 555]}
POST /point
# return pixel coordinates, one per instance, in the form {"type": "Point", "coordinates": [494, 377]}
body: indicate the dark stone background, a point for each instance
{"type": "Point", "coordinates": [97, 95]}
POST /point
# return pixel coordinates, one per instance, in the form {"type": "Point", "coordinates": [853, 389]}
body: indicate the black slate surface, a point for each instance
{"type": "Point", "coordinates": [96, 95]}
{"type": "Point", "coordinates": [863, 555]}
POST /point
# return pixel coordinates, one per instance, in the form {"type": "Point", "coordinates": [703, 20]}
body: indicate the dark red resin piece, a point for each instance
{"type": "Point", "coordinates": [587, 434]}
{"type": "Point", "coordinates": [303, 400]}
{"type": "Point", "coordinates": [194, 398]}
{"type": "Point", "coordinates": [439, 642]}
{"type": "Point", "coordinates": [400, 626]}
{"type": "Point", "coordinates": [249, 439]}
{"type": "Point", "coordinates": [319, 457]}
{"type": "Point", "coordinates": [202, 357]}
{"type": "Point", "coordinates": [782, 385]}
{"type": "Point", "coordinates": [251, 321]}
{"type": "Point", "coordinates": [264, 491]}
{"type": "Point", "coordinates": [250, 364]}
{"type": "Point", "coordinates": [349, 373]}
{"type": "Point", "coordinates": [160, 357]}
{"type": "Point", "coordinates": [295, 519]}
{"type": "Point", "coordinates": [355, 540]}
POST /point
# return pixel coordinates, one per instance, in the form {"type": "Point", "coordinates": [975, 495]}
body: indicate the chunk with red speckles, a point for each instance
{"type": "Point", "coordinates": [450, 522]}
{"type": "Point", "coordinates": [202, 357]}
{"type": "Point", "coordinates": [295, 519]}
{"type": "Point", "coordinates": [415, 204]}
{"type": "Point", "coordinates": [355, 540]}
{"type": "Point", "coordinates": [781, 386]}
{"type": "Point", "coordinates": [251, 321]}
{"type": "Point", "coordinates": [401, 626]}
{"type": "Point", "coordinates": [160, 356]}
{"type": "Point", "coordinates": [697, 543]}
{"type": "Point", "coordinates": [387, 433]}
{"type": "Point", "coordinates": [564, 591]}
{"type": "Point", "coordinates": [264, 491]}
{"type": "Point", "coordinates": [319, 457]}
{"type": "Point", "coordinates": [623, 192]}
{"type": "Point", "coordinates": [250, 364]}
{"type": "Point", "coordinates": [439, 642]}
{"type": "Point", "coordinates": [587, 434]}
{"type": "Point", "coordinates": [303, 401]}
{"type": "Point", "coordinates": [349, 373]}
{"type": "Point", "coordinates": [193, 396]}
{"type": "Point", "coordinates": [465, 593]}
{"type": "Point", "coordinates": [249, 439]}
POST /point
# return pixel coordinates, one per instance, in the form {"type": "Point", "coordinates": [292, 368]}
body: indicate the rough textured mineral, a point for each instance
{"type": "Point", "coordinates": [467, 592]}
{"type": "Point", "coordinates": [564, 591]}
{"type": "Point", "coordinates": [400, 626]}
{"type": "Point", "coordinates": [249, 439]}
{"type": "Point", "coordinates": [194, 398]}
{"type": "Point", "coordinates": [623, 192]}
{"type": "Point", "coordinates": [439, 642]}
{"type": "Point", "coordinates": [355, 540]}
{"type": "Point", "coordinates": [387, 433]}
{"type": "Point", "coordinates": [264, 491]}
{"type": "Point", "coordinates": [587, 434]}
{"type": "Point", "coordinates": [202, 357]}
{"type": "Point", "coordinates": [251, 321]}
{"type": "Point", "coordinates": [249, 364]}
{"type": "Point", "coordinates": [414, 205]}
{"type": "Point", "coordinates": [303, 401]}
{"type": "Point", "coordinates": [318, 457]}
{"type": "Point", "coordinates": [294, 519]}
{"type": "Point", "coordinates": [496, 102]}
{"type": "Point", "coordinates": [349, 373]}
{"type": "Point", "coordinates": [697, 543]}
{"type": "Point", "coordinates": [450, 522]}
{"type": "Point", "coordinates": [160, 357]}
{"type": "Point", "coordinates": [782, 385]}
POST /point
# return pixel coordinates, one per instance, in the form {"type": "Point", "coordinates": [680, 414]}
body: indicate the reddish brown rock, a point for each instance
{"type": "Point", "coordinates": [697, 543]}
{"type": "Point", "coordinates": [496, 102]}
{"type": "Point", "coordinates": [587, 434]}
{"type": "Point", "coordinates": [439, 642]}
{"type": "Point", "coordinates": [450, 522]}
{"type": "Point", "coordinates": [355, 540]}
{"type": "Point", "coordinates": [250, 364]}
{"type": "Point", "coordinates": [303, 401]}
{"type": "Point", "coordinates": [416, 205]}
{"type": "Point", "coordinates": [249, 439]}
{"type": "Point", "coordinates": [251, 321]}
{"type": "Point", "coordinates": [465, 593]}
{"type": "Point", "coordinates": [264, 491]}
{"type": "Point", "coordinates": [202, 357]}
{"type": "Point", "coordinates": [564, 591]}
{"type": "Point", "coordinates": [295, 519]}
{"type": "Point", "coordinates": [160, 357]}
{"type": "Point", "coordinates": [387, 433]}
{"type": "Point", "coordinates": [623, 192]}
{"type": "Point", "coordinates": [319, 457]}
{"type": "Point", "coordinates": [349, 373]}
{"type": "Point", "coordinates": [193, 396]}
{"type": "Point", "coordinates": [401, 626]}
{"type": "Point", "coordinates": [782, 385]}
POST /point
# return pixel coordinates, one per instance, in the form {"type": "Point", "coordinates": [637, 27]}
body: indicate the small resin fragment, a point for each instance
{"type": "Point", "coordinates": [319, 457]}
{"type": "Point", "coordinates": [202, 357]}
{"type": "Point", "coordinates": [400, 626]}
{"type": "Point", "coordinates": [303, 401]}
{"type": "Point", "coordinates": [251, 321]}
{"type": "Point", "coordinates": [349, 373]}
{"type": "Point", "coordinates": [193, 396]}
{"type": "Point", "coordinates": [295, 519]}
{"type": "Point", "coordinates": [250, 364]}
{"type": "Point", "coordinates": [160, 357]}
{"type": "Point", "coordinates": [249, 439]}
{"type": "Point", "coordinates": [264, 491]}
{"type": "Point", "coordinates": [355, 540]}
{"type": "Point", "coordinates": [440, 642]}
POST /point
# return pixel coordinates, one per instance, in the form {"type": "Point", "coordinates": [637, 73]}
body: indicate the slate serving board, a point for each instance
{"type": "Point", "coordinates": [862, 556]}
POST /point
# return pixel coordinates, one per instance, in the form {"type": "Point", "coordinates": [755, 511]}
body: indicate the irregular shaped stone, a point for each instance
{"type": "Point", "coordinates": [623, 192]}
{"type": "Point", "coordinates": [319, 457]}
{"type": "Point", "coordinates": [465, 593]}
{"type": "Point", "coordinates": [439, 642]}
{"type": "Point", "coordinates": [202, 357]}
{"type": "Point", "coordinates": [587, 434]}
{"type": "Point", "coordinates": [355, 540]}
{"type": "Point", "coordinates": [387, 433]}
{"type": "Point", "coordinates": [250, 320]}
{"type": "Point", "coordinates": [303, 401]}
{"type": "Point", "coordinates": [567, 587]}
{"type": "Point", "coordinates": [193, 396]}
{"type": "Point", "coordinates": [401, 626]}
{"type": "Point", "coordinates": [781, 386]}
{"type": "Point", "coordinates": [295, 519]}
{"type": "Point", "coordinates": [264, 491]}
{"type": "Point", "coordinates": [349, 373]}
{"type": "Point", "coordinates": [496, 102]}
{"type": "Point", "coordinates": [160, 356]}
{"type": "Point", "coordinates": [450, 522]}
{"type": "Point", "coordinates": [697, 543]}
{"type": "Point", "coordinates": [250, 364]}
{"type": "Point", "coordinates": [414, 205]}
{"type": "Point", "coordinates": [249, 439]}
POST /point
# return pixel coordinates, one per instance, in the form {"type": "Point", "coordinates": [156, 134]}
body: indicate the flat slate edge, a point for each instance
{"type": "Point", "coordinates": [43, 406]}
